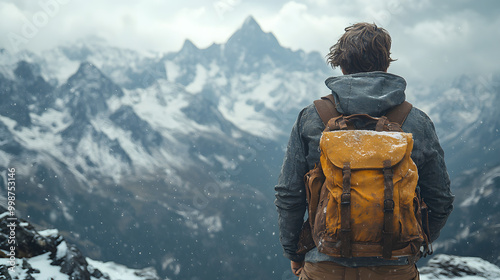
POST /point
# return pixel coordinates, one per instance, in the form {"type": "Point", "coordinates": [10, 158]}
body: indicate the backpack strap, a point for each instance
{"type": "Point", "coordinates": [388, 228]}
{"type": "Point", "coordinates": [326, 110]}
{"type": "Point", "coordinates": [399, 113]}
{"type": "Point", "coordinates": [345, 213]}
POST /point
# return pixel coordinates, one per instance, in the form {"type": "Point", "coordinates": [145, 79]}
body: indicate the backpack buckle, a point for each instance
{"type": "Point", "coordinates": [345, 199]}
{"type": "Point", "coordinates": [389, 205]}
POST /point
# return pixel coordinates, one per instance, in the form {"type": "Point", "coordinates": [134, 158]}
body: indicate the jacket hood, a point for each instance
{"type": "Point", "coordinates": [371, 93]}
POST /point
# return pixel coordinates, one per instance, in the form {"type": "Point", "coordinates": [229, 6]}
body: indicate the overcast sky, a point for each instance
{"type": "Point", "coordinates": [431, 39]}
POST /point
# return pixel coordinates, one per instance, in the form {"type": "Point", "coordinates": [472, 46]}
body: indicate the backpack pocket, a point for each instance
{"type": "Point", "coordinates": [314, 180]}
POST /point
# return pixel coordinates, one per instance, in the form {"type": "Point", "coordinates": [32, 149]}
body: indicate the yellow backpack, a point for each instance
{"type": "Point", "coordinates": [362, 197]}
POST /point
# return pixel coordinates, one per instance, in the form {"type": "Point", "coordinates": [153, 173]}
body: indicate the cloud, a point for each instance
{"type": "Point", "coordinates": [10, 18]}
{"type": "Point", "coordinates": [431, 39]}
{"type": "Point", "coordinates": [299, 26]}
{"type": "Point", "coordinates": [156, 25]}
{"type": "Point", "coordinates": [462, 42]}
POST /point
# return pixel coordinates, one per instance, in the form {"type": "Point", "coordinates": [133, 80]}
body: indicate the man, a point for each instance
{"type": "Point", "coordinates": [363, 54]}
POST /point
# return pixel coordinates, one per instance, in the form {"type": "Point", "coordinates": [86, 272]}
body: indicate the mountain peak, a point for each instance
{"type": "Point", "coordinates": [249, 45]}
{"type": "Point", "coordinates": [87, 91]}
{"type": "Point", "coordinates": [250, 33]}
{"type": "Point", "coordinates": [88, 70]}
{"type": "Point", "coordinates": [250, 28]}
{"type": "Point", "coordinates": [251, 24]}
{"type": "Point", "coordinates": [189, 45]}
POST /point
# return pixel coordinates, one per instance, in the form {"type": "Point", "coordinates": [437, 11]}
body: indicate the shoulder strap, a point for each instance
{"type": "Point", "coordinates": [399, 113]}
{"type": "Point", "coordinates": [326, 108]}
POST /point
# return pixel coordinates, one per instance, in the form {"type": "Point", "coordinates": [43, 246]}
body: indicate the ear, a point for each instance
{"type": "Point", "coordinates": [343, 72]}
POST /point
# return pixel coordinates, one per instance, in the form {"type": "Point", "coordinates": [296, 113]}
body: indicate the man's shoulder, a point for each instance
{"type": "Point", "coordinates": [418, 119]}
{"type": "Point", "coordinates": [309, 111]}
{"type": "Point", "coordinates": [309, 115]}
{"type": "Point", "coordinates": [308, 122]}
{"type": "Point", "coordinates": [419, 113]}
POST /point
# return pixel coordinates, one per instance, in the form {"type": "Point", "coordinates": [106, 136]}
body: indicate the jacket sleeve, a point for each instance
{"type": "Point", "coordinates": [290, 194]}
{"type": "Point", "coordinates": [434, 182]}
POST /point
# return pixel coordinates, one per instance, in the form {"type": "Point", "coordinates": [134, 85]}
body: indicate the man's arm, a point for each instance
{"type": "Point", "coordinates": [433, 179]}
{"type": "Point", "coordinates": [290, 194]}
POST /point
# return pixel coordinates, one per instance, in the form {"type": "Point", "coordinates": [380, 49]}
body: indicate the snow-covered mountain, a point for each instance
{"type": "Point", "coordinates": [474, 227]}
{"type": "Point", "coordinates": [467, 120]}
{"type": "Point", "coordinates": [169, 160]}
{"type": "Point", "coordinates": [157, 160]}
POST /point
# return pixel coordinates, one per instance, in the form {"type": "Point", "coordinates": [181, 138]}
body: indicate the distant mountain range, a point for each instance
{"type": "Point", "coordinates": [468, 124]}
{"type": "Point", "coordinates": [169, 160]}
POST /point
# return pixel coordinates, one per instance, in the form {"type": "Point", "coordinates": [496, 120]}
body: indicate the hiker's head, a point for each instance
{"type": "Point", "coordinates": [364, 47]}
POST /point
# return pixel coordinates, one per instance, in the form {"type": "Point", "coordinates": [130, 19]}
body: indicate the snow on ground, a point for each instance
{"type": "Point", "coordinates": [444, 267]}
{"type": "Point", "coordinates": [48, 232]}
{"type": "Point", "coordinates": [120, 272]}
{"type": "Point", "coordinates": [62, 250]}
{"type": "Point", "coordinates": [41, 263]}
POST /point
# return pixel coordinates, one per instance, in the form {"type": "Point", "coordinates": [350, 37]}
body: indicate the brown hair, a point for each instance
{"type": "Point", "coordinates": [364, 47]}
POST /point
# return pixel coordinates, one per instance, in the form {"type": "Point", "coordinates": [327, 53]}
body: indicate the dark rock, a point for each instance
{"type": "Point", "coordinates": [4, 273]}
{"type": "Point", "coordinates": [29, 243]}
{"type": "Point", "coordinates": [26, 265]}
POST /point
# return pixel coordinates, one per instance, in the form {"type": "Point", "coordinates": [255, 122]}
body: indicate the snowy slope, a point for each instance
{"type": "Point", "coordinates": [46, 255]}
{"type": "Point", "coordinates": [474, 226]}
{"type": "Point", "coordinates": [119, 272]}
{"type": "Point", "coordinates": [41, 268]}
{"type": "Point", "coordinates": [467, 120]}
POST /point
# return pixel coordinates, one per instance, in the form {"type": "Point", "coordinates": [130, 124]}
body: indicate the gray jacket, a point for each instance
{"type": "Point", "coordinates": [370, 93]}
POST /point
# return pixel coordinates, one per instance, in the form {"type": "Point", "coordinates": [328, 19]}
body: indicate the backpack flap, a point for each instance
{"type": "Point", "coordinates": [364, 149]}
